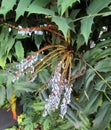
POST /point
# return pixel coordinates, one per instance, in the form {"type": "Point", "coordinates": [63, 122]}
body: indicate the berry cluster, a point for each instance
{"type": "Point", "coordinates": [37, 32]}
{"type": "Point", "coordinates": [25, 66]}
{"type": "Point", "coordinates": [59, 89]}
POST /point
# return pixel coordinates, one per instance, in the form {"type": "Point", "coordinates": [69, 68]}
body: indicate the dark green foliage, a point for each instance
{"type": "Point", "coordinates": [85, 25]}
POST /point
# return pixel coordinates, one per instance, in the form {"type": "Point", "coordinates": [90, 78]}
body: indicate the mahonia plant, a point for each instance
{"type": "Point", "coordinates": [61, 79]}
{"type": "Point", "coordinates": [58, 52]}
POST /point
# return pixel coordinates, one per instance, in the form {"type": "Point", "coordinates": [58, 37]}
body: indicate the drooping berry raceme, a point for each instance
{"type": "Point", "coordinates": [24, 65]}
{"type": "Point", "coordinates": [59, 89]}
{"type": "Point", "coordinates": [59, 82]}
{"type": "Point", "coordinates": [66, 100]}
{"type": "Point", "coordinates": [31, 65]}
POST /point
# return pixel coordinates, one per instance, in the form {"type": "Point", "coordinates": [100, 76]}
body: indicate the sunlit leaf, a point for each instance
{"type": "Point", "coordinates": [106, 14]}
{"type": "Point", "coordinates": [3, 61]}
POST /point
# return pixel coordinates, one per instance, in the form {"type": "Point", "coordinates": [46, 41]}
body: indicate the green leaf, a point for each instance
{"type": "Point", "coordinates": [96, 6]}
{"type": "Point", "coordinates": [38, 8]}
{"type": "Point", "coordinates": [38, 40]}
{"type": "Point", "coordinates": [100, 86]}
{"type": "Point", "coordinates": [25, 86]}
{"type": "Point", "coordinates": [19, 50]}
{"type": "Point", "coordinates": [6, 6]}
{"type": "Point", "coordinates": [103, 117]}
{"type": "Point", "coordinates": [3, 61]}
{"type": "Point", "coordinates": [4, 34]}
{"type": "Point", "coordinates": [102, 54]}
{"type": "Point", "coordinates": [9, 92]}
{"type": "Point", "coordinates": [65, 4]}
{"type": "Point", "coordinates": [44, 76]}
{"type": "Point", "coordinates": [19, 36]}
{"type": "Point", "coordinates": [9, 80]}
{"type": "Point", "coordinates": [72, 117]}
{"type": "Point", "coordinates": [9, 44]}
{"type": "Point", "coordinates": [88, 78]}
{"type": "Point", "coordinates": [5, 42]}
{"type": "Point", "coordinates": [84, 119]}
{"type": "Point", "coordinates": [74, 13]}
{"type": "Point", "coordinates": [2, 95]}
{"type": "Point", "coordinates": [29, 126]}
{"type": "Point", "coordinates": [66, 126]}
{"type": "Point", "coordinates": [3, 76]}
{"type": "Point", "coordinates": [46, 123]}
{"type": "Point", "coordinates": [22, 6]}
{"type": "Point", "coordinates": [103, 44]}
{"type": "Point", "coordinates": [106, 14]}
{"type": "Point", "coordinates": [41, 3]}
{"type": "Point", "coordinates": [6, 77]}
{"type": "Point", "coordinates": [97, 52]}
{"type": "Point", "coordinates": [38, 106]}
{"type": "Point", "coordinates": [93, 103]}
{"type": "Point", "coordinates": [86, 25]}
{"type": "Point", "coordinates": [104, 65]}
{"type": "Point", "coordinates": [80, 41]}
{"type": "Point", "coordinates": [62, 23]}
